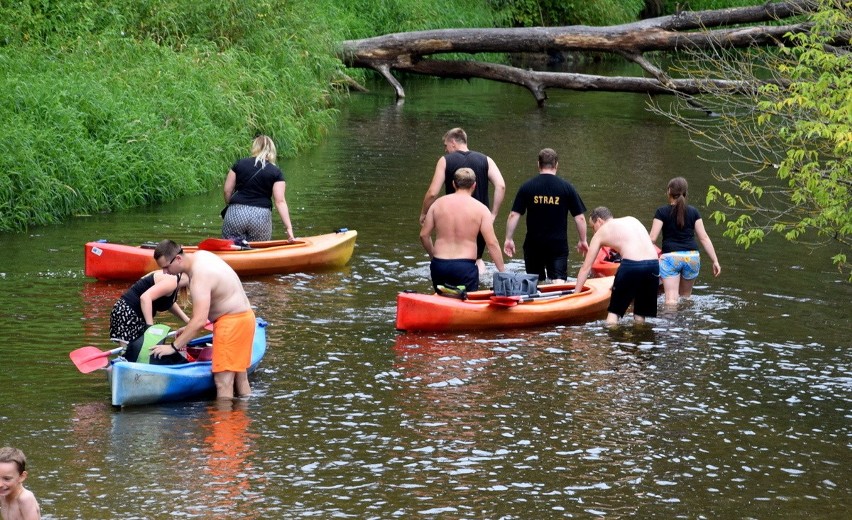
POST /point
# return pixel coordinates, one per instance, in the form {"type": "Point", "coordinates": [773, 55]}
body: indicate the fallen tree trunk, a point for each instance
{"type": "Point", "coordinates": [407, 52]}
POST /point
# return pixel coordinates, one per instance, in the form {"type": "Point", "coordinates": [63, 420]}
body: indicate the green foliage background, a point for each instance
{"type": "Point", "coordinates": [810, 123]}
{"type": "Point", "coordinates": [109, 104]}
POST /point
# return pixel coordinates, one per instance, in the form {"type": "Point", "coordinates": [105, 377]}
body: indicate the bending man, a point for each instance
{"type": "Point", "coordinates": [638, 278]}
{"type": "Point", "coordinates": [217, 294]}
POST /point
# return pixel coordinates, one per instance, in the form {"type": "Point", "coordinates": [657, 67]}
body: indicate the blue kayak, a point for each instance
{"type": "Point", "coordinates": [141, 383]}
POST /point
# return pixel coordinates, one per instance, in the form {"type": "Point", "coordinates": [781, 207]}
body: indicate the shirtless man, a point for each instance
{"type": "Point", "coordinates": [217, 294]}
{"type": "Point", "coordinates": [460, 156]}
{"type": "Point", "coordinates": [638, 277]}
{"type": "Point", "coordinates": [457, 219]}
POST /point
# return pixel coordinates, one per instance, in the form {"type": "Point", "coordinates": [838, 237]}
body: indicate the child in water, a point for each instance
{"type": "Point", "coordinates": [16, 501]}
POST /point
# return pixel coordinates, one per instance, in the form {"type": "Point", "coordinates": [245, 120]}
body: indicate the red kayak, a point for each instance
{"type": "Point", "coordinates": [484, 310]}
{"type": "Point", "coordinates": [608, 260]}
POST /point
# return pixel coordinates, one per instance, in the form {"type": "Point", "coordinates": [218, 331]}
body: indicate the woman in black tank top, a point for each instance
{"type": "Point", "coordinates": [134, 312]}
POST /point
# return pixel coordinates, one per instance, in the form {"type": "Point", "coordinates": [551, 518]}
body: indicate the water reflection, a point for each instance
{"type": "Point", "coordinates": [206, 446]}
{"type": "Point", "coordinates": [98, 300]}
{"type": "Point", "coordinates": [228, 446]}
{"type": "Point", "coordinates": [522, 413]}
{"type": "Point", "coordinates": [447, 384]}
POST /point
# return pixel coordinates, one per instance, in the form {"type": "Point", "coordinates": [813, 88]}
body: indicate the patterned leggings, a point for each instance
{"type": "Point", "coordinates": [125, 324]}
{"type": "Point", "coordinates": [249, 223]}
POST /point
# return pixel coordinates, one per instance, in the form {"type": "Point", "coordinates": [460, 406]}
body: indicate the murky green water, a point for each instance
{"type": "Point", "coordinates": [735, 406]}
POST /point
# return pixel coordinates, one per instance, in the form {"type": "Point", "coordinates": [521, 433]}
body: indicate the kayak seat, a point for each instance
{"type": "Point", "coordinates": [453, 291]}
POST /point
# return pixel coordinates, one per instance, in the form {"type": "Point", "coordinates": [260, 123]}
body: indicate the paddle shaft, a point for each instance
{"type": "Point", "coordinates": [511, 301]}
{"type": "Point", "coordinates": [544, 296]}
{"type": "Point", "coordinates": [105, 353]}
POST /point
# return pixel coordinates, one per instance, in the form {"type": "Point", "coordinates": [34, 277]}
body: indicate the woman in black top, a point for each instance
{"type": "Point", "coordinates": [250, 184]}
{"type": "Point", "coordinates": [134, 312]}
{"type": "Point", "coordinates": [681, 224]}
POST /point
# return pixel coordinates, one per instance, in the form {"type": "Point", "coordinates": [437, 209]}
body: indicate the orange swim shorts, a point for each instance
{"type": "Point", "coordinates": [233, 335]}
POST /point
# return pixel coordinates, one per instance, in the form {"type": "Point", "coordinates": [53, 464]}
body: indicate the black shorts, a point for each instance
{"type": "Point", "coordinates": [546, 263]}
{"type": "Point", "coordinates": [636, 281]}
{"type": "Point", "coordinates": [454, 273]}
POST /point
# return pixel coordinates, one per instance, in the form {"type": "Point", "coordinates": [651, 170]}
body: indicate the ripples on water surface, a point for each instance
{"type": "Point", "coordinates": [734, 405]}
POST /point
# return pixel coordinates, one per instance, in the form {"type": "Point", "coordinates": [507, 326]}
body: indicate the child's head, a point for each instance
{"type": "Point", "coordinates": [13, 466]}
{"type": "Point", "coordinates": [16, 456]}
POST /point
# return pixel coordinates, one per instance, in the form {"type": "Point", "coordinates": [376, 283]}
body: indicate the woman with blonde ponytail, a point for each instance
{"type": "Point", "coordinates": [251, 186]}
{"type": "Point", "coordinates": [680, 224]}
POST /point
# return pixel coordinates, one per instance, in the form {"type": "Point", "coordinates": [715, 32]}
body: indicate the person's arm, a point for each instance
{"type": "Point", "coordinates": [586, 268]}
{"type": "Point", "coordinates": [511, 225]}
{"type": "Point", "coordinates": [162, 287]}
{"type": "Point", "coordinates": [278, 190]}
{"type": "Point", "coordinates": [496, 180]}
{"type": "Point", "coordinates": [656, 227]}
{"type": "Point", "coordinates": [487, 230]}
{"type": "Point", "coordinates": [426, 232]}
{"type": "Point", "coordinates": [178, 312]}
{"type": "Point", "coordinates": [230, 184]}
{"type": "Point", "coordinates": [580, 222]}
{"type": "Point", "coordinates": [708, 246]}
{"type": "Point", "coordinates": [434, 188]}
{"type": "Point", "coordinates": [201, 290]}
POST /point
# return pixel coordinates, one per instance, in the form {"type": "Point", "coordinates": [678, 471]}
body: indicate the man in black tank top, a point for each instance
{"type": "Point", "coordinates": [459, 156]}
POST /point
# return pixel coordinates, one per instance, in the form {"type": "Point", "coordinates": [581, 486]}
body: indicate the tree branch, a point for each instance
{"type": "Point", "coordinates": [406, 51]}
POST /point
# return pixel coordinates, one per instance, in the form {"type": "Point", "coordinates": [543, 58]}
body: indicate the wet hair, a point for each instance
{"type": "Point", "coordinates": [677, 191]}
{"type": "Point", "coordinates": [547, 158]}
{"type": "Point", "coordinates": [167, 248]}
{"type": "Point", "coordinates": [263, 150]}
{"type": "Point", "coordinates": [464, 178]}
{"type": "Point", "coordinates": [456, 134]}
{"type": "Point", "coordinates": [600, 213]}
{"type": "Point", "coordinates": [9, 454]}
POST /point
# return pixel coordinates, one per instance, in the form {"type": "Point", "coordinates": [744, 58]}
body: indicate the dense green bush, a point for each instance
{"type": "Point", "coordinates": [552, 13]}
{"type": "Point", "coordinates": [673, 6]}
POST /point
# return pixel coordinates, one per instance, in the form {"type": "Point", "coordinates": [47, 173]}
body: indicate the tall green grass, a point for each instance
{"type": "Point", "coordinates": [109, 104]}
{"type": "Point", "coordinates": [673, 6]}
{"type": "Point", "coordinates": [529, 13]}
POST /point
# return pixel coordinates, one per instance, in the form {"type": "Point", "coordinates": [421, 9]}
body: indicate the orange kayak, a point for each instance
{"type": "Point", "coordinates": [108, 261]}
{"type": "Point", "coordinates": [482, 310]}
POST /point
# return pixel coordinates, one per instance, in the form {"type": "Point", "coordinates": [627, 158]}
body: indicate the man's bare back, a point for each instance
{"type": "Point", "coordinates": [627, 236]}
{"type": "Point", "coordinates": [457, 219]}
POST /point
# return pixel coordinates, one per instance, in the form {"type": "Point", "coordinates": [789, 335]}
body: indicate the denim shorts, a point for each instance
{"type": "Point", "coordinates": [687, 264]}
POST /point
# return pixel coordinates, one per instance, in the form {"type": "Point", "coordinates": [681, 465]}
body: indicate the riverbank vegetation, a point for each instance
{"type": "Point", "coordinates": [107, 104]}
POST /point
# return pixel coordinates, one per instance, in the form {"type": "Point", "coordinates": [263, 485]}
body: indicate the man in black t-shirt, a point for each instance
{"type": "Point", "coordinates": [549, 200]}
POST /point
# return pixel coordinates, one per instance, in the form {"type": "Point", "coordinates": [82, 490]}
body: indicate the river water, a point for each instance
{"type": "Point", "coordinates": [736, 405]}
